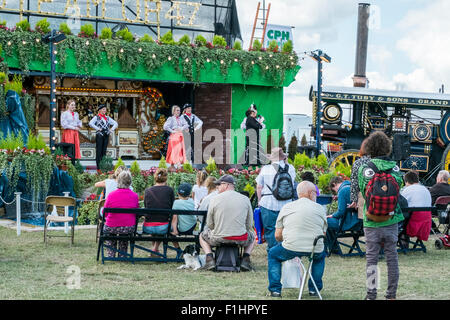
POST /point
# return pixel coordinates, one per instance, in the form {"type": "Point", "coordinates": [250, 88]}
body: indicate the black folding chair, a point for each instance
{"type": "Point", "coordinates": [355, 234]}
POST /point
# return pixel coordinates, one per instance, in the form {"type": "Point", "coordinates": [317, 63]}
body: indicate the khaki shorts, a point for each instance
{"type": "Point", "coordinates": [214, 241]}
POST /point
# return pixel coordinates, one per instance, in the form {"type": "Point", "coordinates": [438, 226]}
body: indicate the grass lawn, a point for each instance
{"type": "Point", "coordinates": [29, 270]}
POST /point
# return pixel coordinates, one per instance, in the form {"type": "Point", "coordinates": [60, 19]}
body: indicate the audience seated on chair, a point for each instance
{"type": "Point", "coordinates": [229, 220]}
{"type": "Point", "coordinates": [298, 224]}
{"type": "Point", "coordinates": [441, 188]}
{"type": "Point", "coordinates": [159, 196]}
{"type": "Point", "coordinates": [417, 195]}
{"type": "Point", "coordinates": [342, 189]}
{"type": "Point", "coordinates": [184, 225]}
{"type": "Point", "coordinates": [117, 223]}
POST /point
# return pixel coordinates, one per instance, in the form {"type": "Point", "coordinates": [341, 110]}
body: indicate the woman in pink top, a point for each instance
{"type": "Point", "coordinates": [120, 223]}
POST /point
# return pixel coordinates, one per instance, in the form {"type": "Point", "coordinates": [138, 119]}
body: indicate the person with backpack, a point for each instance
{"type": "Point", "coordinates": [380, 181]}
{"type": "Point", "coordinates": [275, 188]}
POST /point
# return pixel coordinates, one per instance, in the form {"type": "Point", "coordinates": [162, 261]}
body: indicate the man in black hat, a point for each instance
{"type": "Point", "coordinates": [194, 123]}
{"type": "Point", "coordinates": [103, 126]}
{"type": "Point", "coordinates": [229, 220]}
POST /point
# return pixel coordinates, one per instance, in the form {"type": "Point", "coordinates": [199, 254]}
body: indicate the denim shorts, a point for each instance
{"type": "Point", "coordinates": [156, 229]}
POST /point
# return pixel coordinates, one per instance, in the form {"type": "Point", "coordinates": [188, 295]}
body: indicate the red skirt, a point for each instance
{"type": "Point", "coordinates": [71, 136]}
{"type": "Point", "coordinates": [176, 153]}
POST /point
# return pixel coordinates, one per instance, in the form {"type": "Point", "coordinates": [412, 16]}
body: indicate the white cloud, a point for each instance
{"type": "Point", "coordinates": [426, 43]}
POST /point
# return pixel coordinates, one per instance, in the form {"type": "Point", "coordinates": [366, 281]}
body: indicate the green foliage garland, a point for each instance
{"type": "Point", "coordinates": [188, 60]}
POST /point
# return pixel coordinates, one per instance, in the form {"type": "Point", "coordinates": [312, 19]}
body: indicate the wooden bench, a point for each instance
{"type": "Point", "coordinates": [161, 215]}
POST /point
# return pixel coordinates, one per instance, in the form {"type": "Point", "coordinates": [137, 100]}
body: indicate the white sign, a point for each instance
{"type": "Point", "coordinates": [281, 34]}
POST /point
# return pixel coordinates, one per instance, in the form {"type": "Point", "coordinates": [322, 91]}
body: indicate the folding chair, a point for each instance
{"type": "Point", "coordinates": [59, 202]}
{"type": "Point", "coordinates": [355, 233]}
{"type": "Point", "coordinates": [441, 204]}
{"type": "Point", "coordinates": [99, 218]}
{"type": "Point", "coordinates": [308, 274]}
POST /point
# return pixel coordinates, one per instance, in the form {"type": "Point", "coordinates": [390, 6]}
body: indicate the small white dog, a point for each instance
{"type": "Point", "coordinates": [192, 259]}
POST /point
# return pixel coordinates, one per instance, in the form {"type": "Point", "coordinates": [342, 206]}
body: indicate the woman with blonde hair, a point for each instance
{"type": "Point", "coordinates": [71, 123]}
{"type": "Point", "coordinates": [176, 124]}
{"type": "Point", "coordinates": [199, 191]}
{"type": "Point", "coordinates": [212, 191]}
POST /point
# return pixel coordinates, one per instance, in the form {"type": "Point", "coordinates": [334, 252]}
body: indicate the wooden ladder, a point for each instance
{"type": "Point", "coordinates": [263, 20]}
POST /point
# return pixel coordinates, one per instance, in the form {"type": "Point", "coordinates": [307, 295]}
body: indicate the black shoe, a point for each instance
{"type": "Point", "coordinates": [370, 298]}
{"type": "Point", "coordinates": [275, 294]}
{"type": "Point", "coordinates": [246, 264]}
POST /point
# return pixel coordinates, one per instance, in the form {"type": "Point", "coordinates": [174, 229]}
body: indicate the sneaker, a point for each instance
{"type": "Point", "coordinates": [313, 294]}
{"type": "Point", "coordinates": [246, 264]}
{"type": "Point", "coordinates": [210, 263]}
{"type": "Point", "coordinates": [275, 294]}
{"type": "Point", "coordinates": [370, 298]}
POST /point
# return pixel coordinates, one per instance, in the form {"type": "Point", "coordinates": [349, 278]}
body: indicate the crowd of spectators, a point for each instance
{"type": "Point", "coordinates": [290, 224]}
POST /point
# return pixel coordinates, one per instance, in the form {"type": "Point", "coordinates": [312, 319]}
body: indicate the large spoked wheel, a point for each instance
{"type": "Point", "coordinates": [445, 163]}
{"type": "Point", "coordinates": [347, 157]}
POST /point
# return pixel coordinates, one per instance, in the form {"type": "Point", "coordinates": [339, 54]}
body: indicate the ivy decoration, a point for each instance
{"type": "Point", "coordinates": [188, 59]}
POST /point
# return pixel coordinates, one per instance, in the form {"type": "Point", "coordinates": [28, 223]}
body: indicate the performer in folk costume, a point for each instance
{"type": "Point", "coordinates": [252, 121]}
{"type": "Point", "coordinates": [103, 126]}
{"type": "Point", "coordinates": [71, 123]}
{"type": "Point", "coordinates": [194, 123]}
{"type": "Point", "coordinates": [176, 124]}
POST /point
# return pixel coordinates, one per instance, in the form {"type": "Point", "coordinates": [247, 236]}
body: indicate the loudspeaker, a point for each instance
{"type": "Point", "coordinates": [67, 148]}
{"type": "Point", "coordinates": [401, 146]}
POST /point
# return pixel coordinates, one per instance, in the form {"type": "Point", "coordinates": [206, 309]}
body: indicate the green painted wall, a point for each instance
{"type": "Point", "coordinates": [269, 102]}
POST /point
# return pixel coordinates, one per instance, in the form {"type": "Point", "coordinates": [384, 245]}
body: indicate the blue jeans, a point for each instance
{"type": "Point", "coordinates": [160, 230]}
{"type": "Point", "coordinates": [278, 254]}
{"type": "Point", "coordinates": [269, 219]}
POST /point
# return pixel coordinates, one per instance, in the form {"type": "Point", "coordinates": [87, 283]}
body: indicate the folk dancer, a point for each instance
{"type": "Point", "coordinates": [176, 124]}
{"type": "Point", "coordinates": [104, 126]}
{"type": "Point", "coordinates": [71, 123]}
{"type": "Point", "coordinates": [194, 124]}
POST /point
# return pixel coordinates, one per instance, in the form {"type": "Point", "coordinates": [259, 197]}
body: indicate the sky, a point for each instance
{"type": "Point", "coordinates": [407, 46]}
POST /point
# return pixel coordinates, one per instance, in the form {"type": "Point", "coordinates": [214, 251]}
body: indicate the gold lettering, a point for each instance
{"type": "Point", "coordinates": [3, 5]}
{"type": "Point", "coordinates": [178, 17]}
{"type": "Point", "coordinates": [95, 3]}
{"type": "Point", "coordinates": [39, 4]}
{"type": "Point", "coordinates": [68, 5]}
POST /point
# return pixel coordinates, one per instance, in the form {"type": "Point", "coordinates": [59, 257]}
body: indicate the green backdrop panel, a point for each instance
{"type": "Point", "coordinates": [269, 102]}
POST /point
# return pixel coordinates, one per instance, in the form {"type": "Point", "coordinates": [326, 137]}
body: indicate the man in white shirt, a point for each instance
{"type": "Point", "coordinates": [103, 126]}
{"type": "Point", "coordinates": [298, 224]}
{"type": "Point", "coordinates": [416, 194]}
{"type": "Point", "coordinates": [194, 124]}
{"type": "Point", "coordinates": [270, 206]}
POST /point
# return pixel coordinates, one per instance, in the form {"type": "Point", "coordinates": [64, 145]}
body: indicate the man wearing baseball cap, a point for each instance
{"type": "Point", "coordinates": [103, 126]}
{"type": "Point", "coordinates": [229, 220]}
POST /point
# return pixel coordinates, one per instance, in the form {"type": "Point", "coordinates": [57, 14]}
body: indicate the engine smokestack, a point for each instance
{"type": "Point", "coordinates": [359, 79]}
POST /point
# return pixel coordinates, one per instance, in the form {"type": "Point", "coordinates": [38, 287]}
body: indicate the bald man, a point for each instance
{"type": "Point", "coordinates": [298, 224]}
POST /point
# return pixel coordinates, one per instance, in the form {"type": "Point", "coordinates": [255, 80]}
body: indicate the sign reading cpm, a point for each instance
{"type": "Point", "coordinates": [280, 34]}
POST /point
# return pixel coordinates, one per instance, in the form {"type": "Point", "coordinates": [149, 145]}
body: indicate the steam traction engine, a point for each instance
{"type": "Point", "coordinates": [418, 123]}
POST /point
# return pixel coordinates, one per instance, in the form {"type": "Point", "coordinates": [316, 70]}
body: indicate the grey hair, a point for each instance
{"type": "Point", "coordinates": [305, 187]}
{"type": "Point", "coordinates": [444, 175]}
{"type": "Point", "coordinates": [174, 107]}
{"type": "Point", "coordinates": [124, 180]}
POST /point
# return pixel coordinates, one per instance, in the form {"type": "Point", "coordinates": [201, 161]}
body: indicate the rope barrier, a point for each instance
{"type": "Point", "coordinates": [3, 200]}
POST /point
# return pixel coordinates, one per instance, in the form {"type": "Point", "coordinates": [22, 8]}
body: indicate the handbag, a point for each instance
{"type": "Point", "coordinates": [291, 273]}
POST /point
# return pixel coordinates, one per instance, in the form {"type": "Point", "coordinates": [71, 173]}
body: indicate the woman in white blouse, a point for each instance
{"type": "Point", "coordinates": [71, 123]}
{"type": "Point", "coordinates": [176, 124]}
